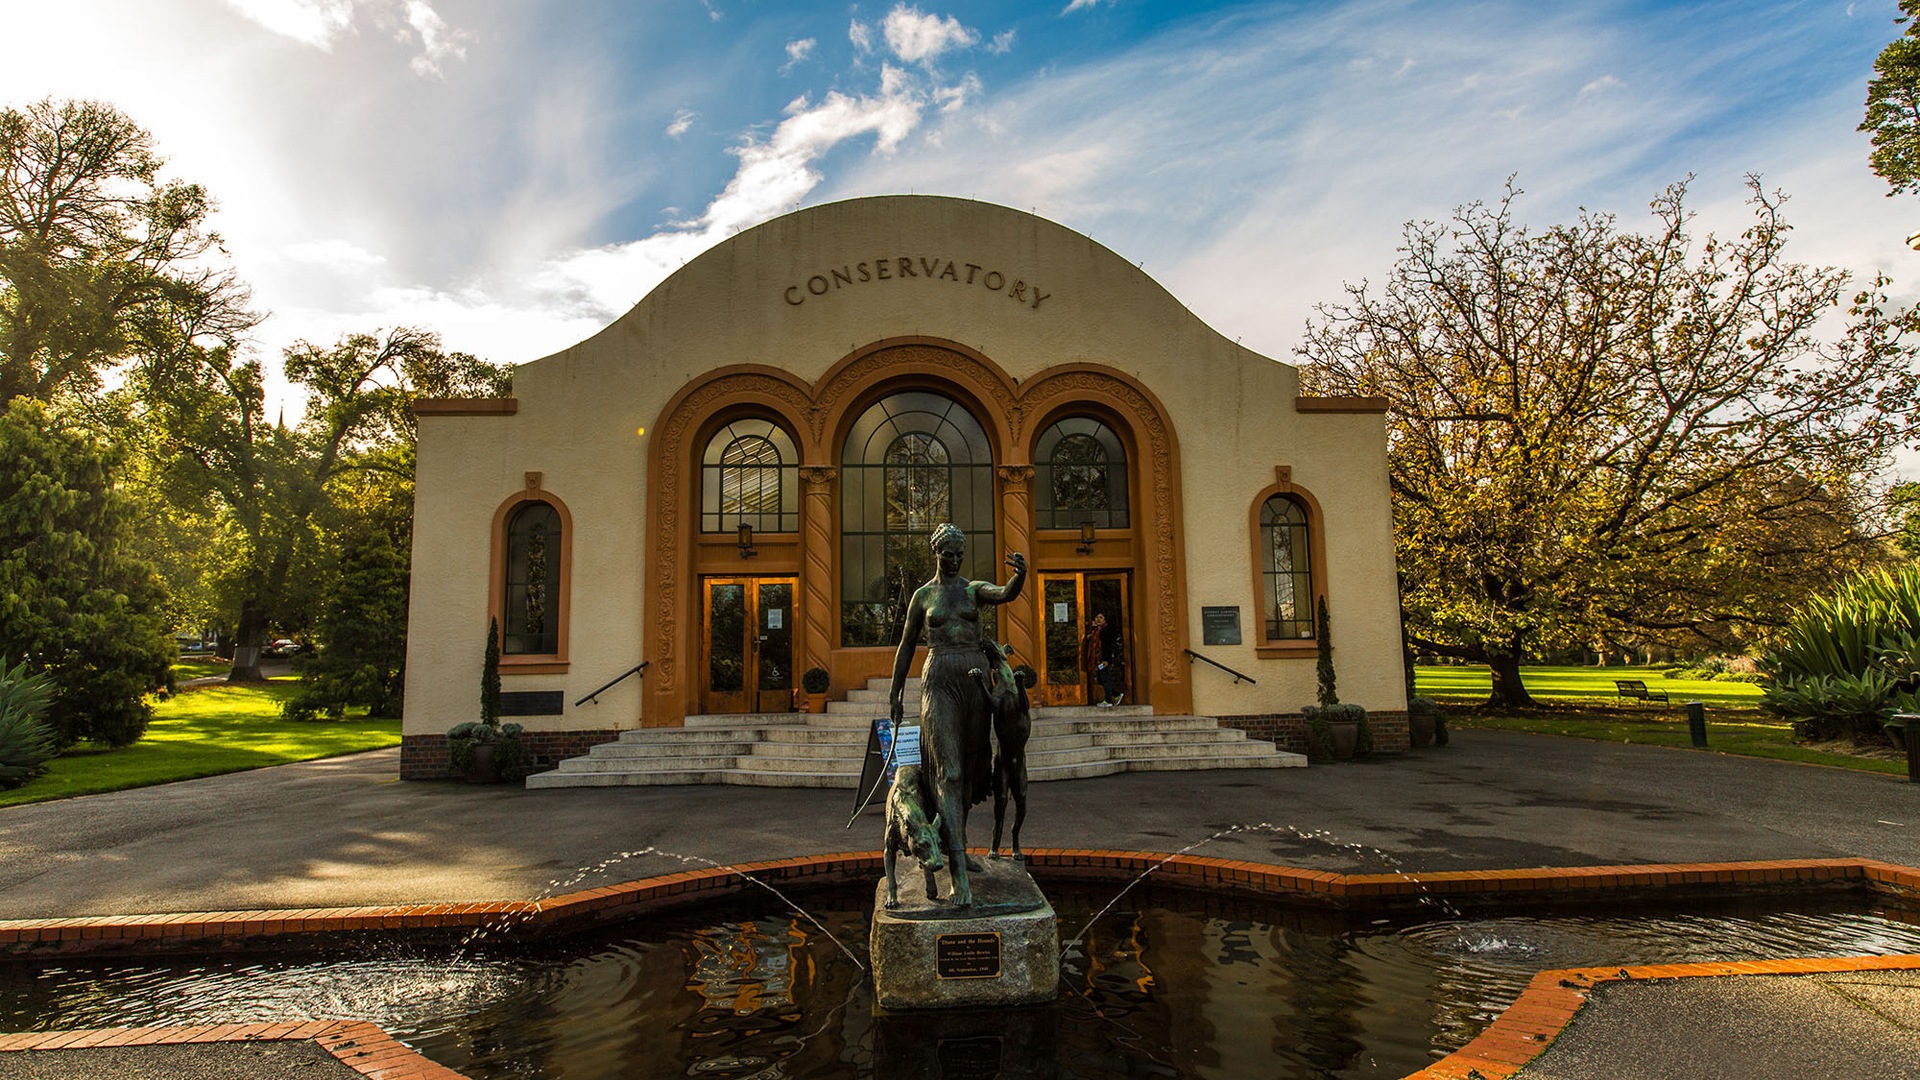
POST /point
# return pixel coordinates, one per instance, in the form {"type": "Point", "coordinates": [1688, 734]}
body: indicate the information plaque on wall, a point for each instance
{"type": "Point", "coordinates": [967, 956]}
{"type": "Point", "coordinates": [1220, 625]}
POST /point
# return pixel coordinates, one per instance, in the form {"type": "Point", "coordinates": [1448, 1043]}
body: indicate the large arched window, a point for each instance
{"type": "Point", "coordinates": [1286, 577]}
{"type": "Point", "coordinates": [530, 610]}
{"type": "Point", "coordinates": [750, 473]}
{"type": "Point", "coordinates": [1080, 476]}
{"type": "Point", "coordinates": [910, 462]}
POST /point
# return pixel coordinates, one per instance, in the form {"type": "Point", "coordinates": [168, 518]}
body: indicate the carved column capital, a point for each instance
{"type": "Point", "coordinates": [1015, 477]}
{"type": "Point", "coordinates": [818, 478]}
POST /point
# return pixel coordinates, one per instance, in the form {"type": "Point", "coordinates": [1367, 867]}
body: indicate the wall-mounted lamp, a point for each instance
{"type": "Point", "coordinates": [1086, 538]}
{"type": "Point", "coordinates": [746, 541]}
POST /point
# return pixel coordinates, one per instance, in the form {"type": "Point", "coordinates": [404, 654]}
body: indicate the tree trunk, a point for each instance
{"type": "Point", "coordinates": [246, 650]}
{"type": "Point", "coordinates": [1508, 690]}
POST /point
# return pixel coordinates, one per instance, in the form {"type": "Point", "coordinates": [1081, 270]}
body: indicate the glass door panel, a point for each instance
{"type": "Point", "coordinates": [774, 664]}
{"type": "Point", "coordinates": [1107, 595]}
{"type": "Point", "coordinates": [1061, 680]}
{"type": "Point", "coordinates": [727, 653]}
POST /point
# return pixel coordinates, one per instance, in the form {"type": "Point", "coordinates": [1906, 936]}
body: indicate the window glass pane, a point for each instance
{"type": "Point", "coordinates": [1080, 476]}
{"type": "Point", "coordinates": [910, 462]}
{"type": "Point", "coordinates": [750, 474]}
{"type": "Point", "coordinates": [532, 587]}
{"type": "Point", "coordinates": [1287, 575]}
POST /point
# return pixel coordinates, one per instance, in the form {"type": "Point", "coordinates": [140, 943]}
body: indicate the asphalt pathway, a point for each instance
{"type": "Point", "coordinates": [345, 831]}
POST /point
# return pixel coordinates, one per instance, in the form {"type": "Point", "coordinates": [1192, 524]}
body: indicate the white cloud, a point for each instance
{"type": "Point", "coordinates": [335, 254]}
{"type": "Point", "coordinates": [1081, 5]}
{"type": "Point", "coordinates": [1601, 85]}
{"type": "Point", "coordinates": [796, 52]}
{"type": "Point", "coordinates": [438, 41]}
{"type": "Point", "coordinates": [682, 121]}
{"type": "Point", "coordinates": [310, 22]}
{"type": "Point", "coordinates": [917, 37]}
{"type": "Point", "coordinates": [1002, 43]}
{"type": "Point", "coordinates": [319, 23]}
{"type": "Point", "coordinates": [861, 36]}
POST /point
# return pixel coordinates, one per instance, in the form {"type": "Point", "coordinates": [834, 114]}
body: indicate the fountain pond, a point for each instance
{"type": "Point", "coordinates": [1169, 983]}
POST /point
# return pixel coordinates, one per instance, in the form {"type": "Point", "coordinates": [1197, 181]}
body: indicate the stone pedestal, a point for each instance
{"type": "Point", "coordinates": [1004, 950]}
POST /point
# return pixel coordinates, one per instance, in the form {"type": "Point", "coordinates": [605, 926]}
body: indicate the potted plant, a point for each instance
{"type": "Point", "coordinates": [487, 751]}
{"type": "Point", "coordinates": [1334, 730]}
{"type": "Point", "coordinates": [815, 681]}
{"type": "Point", "coordinates": [1423, 721]}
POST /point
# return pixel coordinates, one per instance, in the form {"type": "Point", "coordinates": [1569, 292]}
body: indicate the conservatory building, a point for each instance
{"type": "Point", "coordinates": [734, 483]}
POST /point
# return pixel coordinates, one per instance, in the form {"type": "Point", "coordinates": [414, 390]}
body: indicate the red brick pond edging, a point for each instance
{"type": "Point", "coordinates": [238, 930]}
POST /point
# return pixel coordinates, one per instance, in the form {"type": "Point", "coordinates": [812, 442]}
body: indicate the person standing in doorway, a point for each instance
{"type": "Point", "coordinates": [1094, 661]}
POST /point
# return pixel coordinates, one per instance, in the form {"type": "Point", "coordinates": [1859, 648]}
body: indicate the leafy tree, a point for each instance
{"type": "Point", "coordinates": [101, 261]}
{"type": "Point", "coordinates": [73, 603]}
{"type": "Point", "coordinates": [1893, 106]}
{"type": "Point", "coordinates": [362, 631]}
{"type": "Point", "coordinates": [1601, 433]}
{"type": "Point", "coordinates": [279, 492]}
{"type": "Point", "coordinates": [1904, 500]}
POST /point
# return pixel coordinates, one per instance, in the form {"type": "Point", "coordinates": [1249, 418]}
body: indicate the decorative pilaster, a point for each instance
{"type": "Point", "coordinates": [1016, 518]}
{"type": "Point", "coordinates": [817, 558]}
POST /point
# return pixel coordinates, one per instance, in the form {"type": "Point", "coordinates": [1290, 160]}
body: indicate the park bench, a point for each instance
{"type": "Point", "coordinates": [1634, 688]}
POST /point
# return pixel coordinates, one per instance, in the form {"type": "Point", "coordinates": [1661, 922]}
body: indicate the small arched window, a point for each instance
{"type": "Point", "coordinates": [1286, 577]}
{"type": "Point", "coordinates": [750, 473]}
{"type": "Point", "coordinates": [1080, 476]}
{"type": "Point", "coordinates": [530, 615]}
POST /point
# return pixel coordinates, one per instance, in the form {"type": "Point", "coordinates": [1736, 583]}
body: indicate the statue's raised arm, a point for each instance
{"type": "Point", "coordinates": [989, 593]}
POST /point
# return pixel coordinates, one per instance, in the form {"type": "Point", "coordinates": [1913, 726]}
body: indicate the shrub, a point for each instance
{"type": "Point", "coordinates": [1843, 658]}
{"type": "Point", "coordinates": [816, 680]}
{"type": "Point", "coordinates": [1832, 706]}
{"type": "Point", "coordinates": [26, 744]}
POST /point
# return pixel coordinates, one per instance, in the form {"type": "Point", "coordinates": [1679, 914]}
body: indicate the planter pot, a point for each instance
{"type": "Point", "coordinates": [485, 768]}
{"type": "Point", "coordinates": [1346, 738]}
{"type": "Point", "coordinates": [816, 703]}
{"type": "Point", "coordinates": [1420, 730]}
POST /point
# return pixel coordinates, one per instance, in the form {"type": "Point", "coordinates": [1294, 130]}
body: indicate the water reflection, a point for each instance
{"type": "Point", "coordinates": [1176, 985]}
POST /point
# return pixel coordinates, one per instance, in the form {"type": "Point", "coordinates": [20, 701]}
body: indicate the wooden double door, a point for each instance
{"type": "Point", "coordinates": [748, 624]}
{"type": "Point", "coordinates": [1068, 604]}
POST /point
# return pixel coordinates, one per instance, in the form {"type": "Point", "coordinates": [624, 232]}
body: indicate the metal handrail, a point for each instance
{"type": "Point", "coordinates": [1237, 676]}
{"type": "Point", "coordinates": [641, 666]}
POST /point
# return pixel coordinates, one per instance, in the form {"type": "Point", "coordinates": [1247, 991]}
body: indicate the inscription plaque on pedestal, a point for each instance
{"type": "Point", "coordinates": [967, 956]}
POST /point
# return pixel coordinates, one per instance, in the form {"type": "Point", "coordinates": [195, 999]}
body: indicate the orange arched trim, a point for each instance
{"type": "Point", "coordinates": [531, 663]}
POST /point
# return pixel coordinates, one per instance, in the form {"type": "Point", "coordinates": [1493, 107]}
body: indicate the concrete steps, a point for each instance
{"type": "Point", "coordinates": [824, 750]}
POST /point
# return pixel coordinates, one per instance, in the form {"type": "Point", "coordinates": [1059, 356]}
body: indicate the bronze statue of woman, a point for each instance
{"type": "Point", "coordinates": [954, 719]}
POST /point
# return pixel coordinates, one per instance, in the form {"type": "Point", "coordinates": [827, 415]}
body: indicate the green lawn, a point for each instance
{"type": "Point", "coordinates": [204, 732]}
{"type": "Point", "coordinates": [1583, 703]}
{"type": "Point", "coordinates": [198, 667]}
{"type": "Point", "coordinates": [1471, 685]}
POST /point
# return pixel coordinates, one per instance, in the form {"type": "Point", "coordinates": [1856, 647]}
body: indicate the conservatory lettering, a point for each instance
{"type": "Point", "coordinates": [919, 267]}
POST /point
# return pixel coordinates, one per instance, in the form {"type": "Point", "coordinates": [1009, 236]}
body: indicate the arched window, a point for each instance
{"type": "Point", "coordinates": [910, 462]}
{"type": "Point", "coordinates": [1286, 576]}
{"type": "Point", "coordinates": [750, 473]}
{"type": "Point", "coordinates": [530, 611]}
{"type": "Point", "coordinates": [1080, 475]}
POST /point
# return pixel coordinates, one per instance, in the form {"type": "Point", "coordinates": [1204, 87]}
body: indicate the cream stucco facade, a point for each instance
{"type": "Point", "coordinates": [805, 321]}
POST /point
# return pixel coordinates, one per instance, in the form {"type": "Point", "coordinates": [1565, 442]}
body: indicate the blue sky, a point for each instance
{"type": "Point", "coordinates": [514, 174]}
